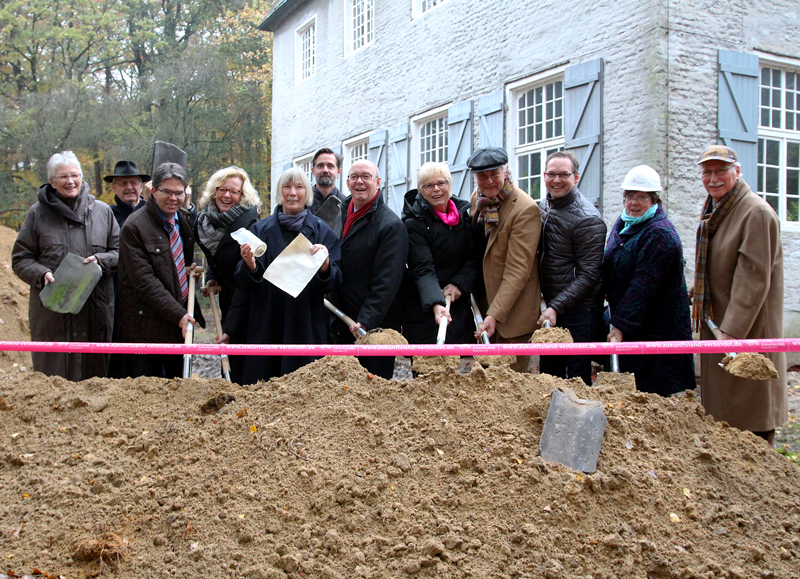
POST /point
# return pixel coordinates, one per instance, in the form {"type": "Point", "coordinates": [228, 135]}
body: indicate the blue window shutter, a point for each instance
{"type": "Point", "coordinates": [338, 150]}
{"type": "Point", "coordinates": [459, 147]}
{"type": "Point", "coordinates": [377, 150]}
{"type": "Point", "coordinates": [286, 167]}
{"type": "Point", "coordinates": [490, 113]}
{"type": "Point", "coordinates": [737, 109]}
{"type": "Point", "coordinates": [398, 168]}
{"type": "Point", "coordinates": [583, 123]}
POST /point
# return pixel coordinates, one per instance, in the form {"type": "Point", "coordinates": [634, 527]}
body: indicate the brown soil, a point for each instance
{"type": "Point", "coordinates": [13, 308]}
{"type": "Point", "coordinates": [619, 380]}
{"type": "Point", "coordinates": [425, 364]}
{"type": "Point", "coordinates": [750, 365]}
{"type": "Point", "coordinates": [489, 361]}
{"type": "Point", "coordinates": [551, 336]}
{"type": "Point", "coordinates": [381, 336]}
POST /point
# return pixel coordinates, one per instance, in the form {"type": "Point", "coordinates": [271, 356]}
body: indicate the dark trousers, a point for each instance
{"type": "Point", "coordinates": [158, 365]}
{"type": "Point", "coordinates": [585, 325]}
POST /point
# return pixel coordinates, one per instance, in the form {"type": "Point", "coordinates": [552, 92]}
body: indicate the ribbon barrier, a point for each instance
{"type": "Point", "coordinates": [587, 348]}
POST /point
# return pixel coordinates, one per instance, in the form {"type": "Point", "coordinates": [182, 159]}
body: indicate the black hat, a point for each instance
{"type": "Point", "coordinates": [486, 159]}
{"type": "Point", "coordinates": [126, 169]}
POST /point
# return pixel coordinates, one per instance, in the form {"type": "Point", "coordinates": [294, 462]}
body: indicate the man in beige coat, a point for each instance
{"type": "Point", "coordinates": [739, 284]}
{"type": "Point", "coordinates": [508, 223]}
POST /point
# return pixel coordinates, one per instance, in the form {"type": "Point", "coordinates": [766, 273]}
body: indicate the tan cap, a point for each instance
{"type": "Point", "coordinates": [718, 153]}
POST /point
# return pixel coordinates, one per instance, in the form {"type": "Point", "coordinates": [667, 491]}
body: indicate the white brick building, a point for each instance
{"type": "Point", "coordinates": [621, 83]}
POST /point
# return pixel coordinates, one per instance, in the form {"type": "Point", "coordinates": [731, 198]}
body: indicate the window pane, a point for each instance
{"type": "Point", "coordinates": [765, 76]}
{"type": "Point", "coordinates": [793, 154]}
{"type": "Point", "coordinates": [773, 200]}
{"type": "Point", "coordinates": [773, 152]}
{"type": "Point", "coordinates": [792, 210]}
{"type": "Point", "coordinates": [776, 77]}
{"type": "Point", "coordinates": [790, 78]}
{"type": "Point", "coordinates": [792, 187]}
{"type": "Point", "coordinates": [761, 151]}
{"type": "Point", "coordinates": [773, 175]}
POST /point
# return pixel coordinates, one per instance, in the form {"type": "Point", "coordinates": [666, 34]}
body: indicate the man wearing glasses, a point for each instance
{"type": "Point", "coordinates": [156, 247]}
{"type": "Point", "coordinates": [739, 285]}
{"type": "Point", "coordinates": [571, 262]}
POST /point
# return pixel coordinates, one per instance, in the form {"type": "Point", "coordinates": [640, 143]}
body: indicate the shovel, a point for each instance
{"type": "Point", "coordinates": [614, 357]}
{"type": "Point", "coordinates": [187, 358]}
{"type": "Point", "coordinates": [73, 283]}
{"type": "Point", "coordinates": [344, 317]}
{"type": "Point", "coordinates": [573, 431]}
{"type": "Point", "coordinates": [476, 312]}
{"type": "Point", "coordinates": [443, 323]}
{"type": "Point", "coordinates": [755, 366]}
{"type": "Point", "coordinates": [212, 294]}
{"type": "Point", "coordinates": [331, 214]}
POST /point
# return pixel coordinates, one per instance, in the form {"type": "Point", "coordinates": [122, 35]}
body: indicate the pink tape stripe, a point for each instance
{"type": "Point", "coordinates": [597, 348]}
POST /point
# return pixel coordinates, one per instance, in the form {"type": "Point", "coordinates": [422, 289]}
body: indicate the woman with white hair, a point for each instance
{"type": "Point", "coordinates": [67, 219]}
{"type": "Point", "coordinates": [273, 316]}
{"type": "Point", "coordinates": [644, 284]}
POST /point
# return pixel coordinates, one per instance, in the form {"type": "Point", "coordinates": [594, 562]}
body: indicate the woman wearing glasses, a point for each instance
{"type": "Point", "coordinates": [67, 219]}
{"type": "Point", "coordinates": [441, 260]}
{"type": "Point", "coordinates": [645, 287]}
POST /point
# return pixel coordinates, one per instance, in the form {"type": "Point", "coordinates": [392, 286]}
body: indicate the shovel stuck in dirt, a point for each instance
{"type": "Point", "coordinates": [548, 334]}
{"type": "Point", "coordinates": [750, 365]}
{"type": "Point", "coordinates": [615, 378]}
{"type": "Point", "coordinates": [189, 337]}
{"type": "Point", "coordinates": [573, 431]}
{"type": "Point", "coordinates": [212, 295]}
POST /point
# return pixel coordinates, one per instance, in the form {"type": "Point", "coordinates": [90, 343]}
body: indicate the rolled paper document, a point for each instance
{"type": "Point", "coordinates": [243, 236]}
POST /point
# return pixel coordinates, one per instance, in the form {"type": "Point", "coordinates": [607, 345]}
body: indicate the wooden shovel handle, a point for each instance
{"type": "Point", "coordinates": [344, 317]}
{"type": "Point", "coordinates": [190, 304]}
{"type": "Point", "coordinates": [212, 294]}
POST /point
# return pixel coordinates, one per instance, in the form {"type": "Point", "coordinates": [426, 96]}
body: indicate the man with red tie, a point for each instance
{"type": "Point", "coordinates": [153, 273]}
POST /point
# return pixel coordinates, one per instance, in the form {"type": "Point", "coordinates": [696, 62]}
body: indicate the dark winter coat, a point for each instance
{"type": "Point", "coordinates": [275, 317]}
{"type": "Point", "coordinates": [319, 199]}
{"type": "Point", "coordinates": [221, 265]}
{"type": "Point", "coordinates": [47, 235]}
{"type": "Point", "coordinates": [123, 210]}
{"type": "Point", "coordinates": [438, 255]}
{"type": "Point", "coordinates": [374, 253]}
{"type": "Point", "coordinates": [150, 301]}
{"type": "Point", "coordinates": [648, 299]}
{"type": "Point", "coordinates": [571, 252]}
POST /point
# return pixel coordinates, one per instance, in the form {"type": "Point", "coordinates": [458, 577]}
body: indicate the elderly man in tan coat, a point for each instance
{"type": "Point", "coordinates": [739, 285]}
{"type": "Point", "coordinates": [508, 223]}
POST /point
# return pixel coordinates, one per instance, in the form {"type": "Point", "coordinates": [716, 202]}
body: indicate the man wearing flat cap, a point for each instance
{"type": "Point", "coordinates": [507, 226]}
{"type": "Point", "coordinates": [126, 182]}
{"type": "Point", "coordinates": [739, 285]}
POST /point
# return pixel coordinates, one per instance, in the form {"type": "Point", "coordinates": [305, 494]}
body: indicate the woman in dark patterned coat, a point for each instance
{"type": "Point", "coordinates": [645, 287]}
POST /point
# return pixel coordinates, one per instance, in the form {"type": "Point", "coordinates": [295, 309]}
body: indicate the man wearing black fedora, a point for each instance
{"type": "Point", "coordinates": [126, 182]}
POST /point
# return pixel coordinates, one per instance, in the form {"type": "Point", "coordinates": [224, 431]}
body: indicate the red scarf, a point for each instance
{"type": "Point", "coordinates": [451, 216]}
{"type": "Point", "coordinates": [356, 215]}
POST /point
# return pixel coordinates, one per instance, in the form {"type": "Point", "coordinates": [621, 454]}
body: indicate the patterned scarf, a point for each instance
{"type": "Point", "coordinates": [711, 220]}
{"type": "Point", "coordinates": [212, 224]}
{"type": "Point", "coordinates": [489, 207]}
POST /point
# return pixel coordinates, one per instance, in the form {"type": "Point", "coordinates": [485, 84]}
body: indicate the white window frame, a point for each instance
{"type": "Point", "coordinates": [785, 139]}
{"type": "Point", "coordinates": [349, 31]}
{"type": "Point", "coordinates": [420, 8]}
{"type": "Point", "coordinates": [300, 55]}
{"type": "Point", "coordinates": [349, 146]}
{"type": "Point", "coordinates": [417, 124]}
{"type": "Point", "coordinates": [304, 163]}
{"type": "Point", "coordinates": [543, 147]}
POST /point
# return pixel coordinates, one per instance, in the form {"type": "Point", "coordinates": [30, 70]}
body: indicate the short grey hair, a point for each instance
{"type": "Point", "coordinates": [169, 171]}
{"type": "Point", "coordinates": [294, 175]}
{"type": "Point", "coordinates": [62, 158]}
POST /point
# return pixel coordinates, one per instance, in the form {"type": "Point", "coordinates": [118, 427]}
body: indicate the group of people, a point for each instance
{"type": "Point", "coordinates": [524, 263]}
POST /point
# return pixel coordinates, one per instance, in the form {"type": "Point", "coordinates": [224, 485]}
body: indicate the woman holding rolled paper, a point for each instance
{"type": "Point", "coordinates": [229, 202]}
{"type": "Point", "coordinates": [441, 260]}
{"type": "Point", "coordinates": [274, 316]}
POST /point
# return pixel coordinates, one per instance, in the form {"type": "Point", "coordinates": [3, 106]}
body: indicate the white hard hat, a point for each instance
{"type": "Point", "coordinates": [642, 178]}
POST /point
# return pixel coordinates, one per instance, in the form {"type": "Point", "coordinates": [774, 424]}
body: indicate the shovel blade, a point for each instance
{"type": "Point", "coordinates": [573, 431]}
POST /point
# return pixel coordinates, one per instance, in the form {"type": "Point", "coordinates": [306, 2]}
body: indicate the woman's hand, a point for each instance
{"type": "Point", "coordinates": [548, 315]}
{"type": "Point", "coordinates": [452, 291]}
{"type": "Point", "coordinates": [489, 325]}
{"type": "Point", "coordinates": [439, 311]}
{"type": "Point", "coordinates": [248, 256]}
{"type": "Point", "coordinates": [209, 284]}
{"type": "Point", "coordinates": [615, 335]}
{"type": "Point", "coordinates": [90, 258]}
{"type": "Point", "coordinates": [48, 278]}
{"type": "Point", "coordinates": [354, 330]}
{"type": "Point", "coordinates": [318, 247]}
{"type": "Point", "coordinates": [224, 339]}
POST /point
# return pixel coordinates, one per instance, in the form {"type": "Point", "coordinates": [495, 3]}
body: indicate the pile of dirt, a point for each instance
{"type": "Point", "coordinates": [13, 308]}
{"type": "Point", "coordinates": [327, 472]}
{"type": "Point", "coordinates": [382, 336]}
{"type": "Point", "coordinates": [750, 365]}
{"type": "Point", "coordinates": [554, 335]}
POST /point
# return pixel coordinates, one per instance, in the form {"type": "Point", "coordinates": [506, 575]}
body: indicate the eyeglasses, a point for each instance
{"type": "Point", "coordinates": [223, 190]}
{"type": "Point", "coordinates": [562, 175]}
{"type": "Point", "coordinates": [431, 186]}
{"type": "Point", "coordinates": [639, 197]}
{"type": "Point", "coordinates": [169, 193]}
{"type": "Point", "coordinates": [65, 178]}
{"type": "Point", "coordinates": [706, 173]}
{"type": "Point", "coordinates": [366, 177]}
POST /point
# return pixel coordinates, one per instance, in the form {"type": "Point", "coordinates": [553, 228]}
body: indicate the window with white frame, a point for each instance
{"type": "Point", "coordinates": [359, 24]}
{"type": "Point", "coordinates": [778, 180]}
{"type": "Point", "coordinates": [536, 128]}
{"type": "Point", "coordinates": [306, 53]}
{"type": "Point", "coordinates": [305, 164]}
{"type": "Point", "coordinates": [420, 7]}
{"type": "Point", "coordinates": [355, 149]}
{"type": "Point", "coordinates": [428, 139]}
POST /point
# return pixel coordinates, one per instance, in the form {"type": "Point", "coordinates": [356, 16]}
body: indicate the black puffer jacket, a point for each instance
{"type": "Point", "coordinates": [438, 255]}
{"type": "Point", "coordinates": [571, 258]}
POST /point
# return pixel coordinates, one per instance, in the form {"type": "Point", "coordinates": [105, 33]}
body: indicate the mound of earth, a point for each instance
{"type": "Point", "coordinates": [13, 308]}
{"type": "Point", "coordinates": [327, 472]}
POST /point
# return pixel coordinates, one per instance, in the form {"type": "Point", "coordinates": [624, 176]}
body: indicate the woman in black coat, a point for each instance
{"type": "Point", "coordinates": [228, 203]}
{"type": "Point", "coordinates": [441, 260]}
{"type": "Point", "coordinates": [273, 316]}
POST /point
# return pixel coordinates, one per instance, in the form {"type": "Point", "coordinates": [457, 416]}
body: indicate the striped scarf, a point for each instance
{"type": "Point", "coordinates": [709, 223]}
{"type": "Point", "coordinates": [489, 207]}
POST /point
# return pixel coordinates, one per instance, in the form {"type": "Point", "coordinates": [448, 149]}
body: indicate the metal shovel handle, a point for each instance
{"type": "Point", "coordinates": [476, 312]}
{"type": "Point", "coordinates": [344, 317]}
{"type": "Point", "coordinates": [443, 322]}
{"type": "Point", "coordinates": [718, 335]}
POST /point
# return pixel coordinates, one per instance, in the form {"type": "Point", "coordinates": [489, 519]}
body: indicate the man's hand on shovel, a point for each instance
{"type": "Point", "coordinates": [184, 323]}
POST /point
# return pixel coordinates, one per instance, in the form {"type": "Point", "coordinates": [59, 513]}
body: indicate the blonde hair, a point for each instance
{"type": "Point", "coordinates": [430, 170]}
{"type": "Point", "coordinates": [294, 175]}
{"type": "Point", "coordinates": [249, 196]}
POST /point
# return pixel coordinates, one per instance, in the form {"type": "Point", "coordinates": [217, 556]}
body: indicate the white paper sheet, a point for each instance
{"type": "Point", "coordinates": [295, 266]}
